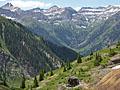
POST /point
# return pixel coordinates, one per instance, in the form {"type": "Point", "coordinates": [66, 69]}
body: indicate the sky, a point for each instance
{"type": "Point", "coordinates": [76, 4]}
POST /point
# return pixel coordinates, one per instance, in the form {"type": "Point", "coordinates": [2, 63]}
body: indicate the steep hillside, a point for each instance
{"type": "Point", "coordinates": [24, 53]}
{"type": "Point", "coordinates": [51, 34]}
{"type": "Point", "coordinates": [30, 50]}
{"type": "Point", "coordinates": [63, 52]}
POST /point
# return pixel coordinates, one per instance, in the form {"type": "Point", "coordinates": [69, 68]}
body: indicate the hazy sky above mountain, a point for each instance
{"type": "Point", "coordinates": [76, 4]}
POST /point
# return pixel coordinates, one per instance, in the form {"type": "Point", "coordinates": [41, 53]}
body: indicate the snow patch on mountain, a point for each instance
{"type": "Point", "coordinates": [7, 17]}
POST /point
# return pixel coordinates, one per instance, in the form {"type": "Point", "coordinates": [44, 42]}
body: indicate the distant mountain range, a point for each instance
{"type": "Point", "coordinates": [86, 30]}
{"type": "Point", "coordinates": [56, 13]}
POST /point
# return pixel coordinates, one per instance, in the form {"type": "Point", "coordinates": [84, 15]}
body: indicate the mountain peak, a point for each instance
{"type": "Point", "coordinates": [113, 6]}
{"type": "Point", "coordinates": [55, 7]}
{"type": "Point", "coordinates": [70, 9]}
{"type": "Point", "coordinates": [37, 9]}
{"type": "Point", "coordinates": [10, 7]}
{"type": "Point", "coordinates": [7, 5]}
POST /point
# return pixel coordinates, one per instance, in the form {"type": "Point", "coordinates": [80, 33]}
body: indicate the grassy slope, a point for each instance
{"type": "Point", "coordinates": [86, 72]}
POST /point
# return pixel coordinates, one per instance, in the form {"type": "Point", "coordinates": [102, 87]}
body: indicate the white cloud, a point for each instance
{"type": "Point", "coordinates": [29, 4]}
{"type": "Point", "coordinates": [2, 0]}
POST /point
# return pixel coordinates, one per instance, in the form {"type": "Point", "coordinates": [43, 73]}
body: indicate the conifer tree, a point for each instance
{"type": "Point", "coordinates": [51, 73]}
{"type": "Point", "coordinates": [41, 76]}
{"type": "Point", "coordinates": [97, 60]}
{"type": "Point", "coordinates": [91, 53]}
{"type": "Point", "coordinates": [23, 82]}
{"type": "Point", "coordinates": [68, 66]}
{"type": "Point", "coordinates": [118, 44]}
{"type": "Point", "coordinates": [79, 59]}
{"type": "Point", "coordinates": [64, 69]}
{"type": "Point", "coordinates": [35, 82]}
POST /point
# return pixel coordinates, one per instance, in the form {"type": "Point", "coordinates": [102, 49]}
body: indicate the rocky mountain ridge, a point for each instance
{"type": "Point", "coordinates": [56, 13]}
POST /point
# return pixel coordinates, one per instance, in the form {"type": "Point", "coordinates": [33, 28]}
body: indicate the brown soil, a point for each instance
{"type": "Point", "coordinates": [110, 82]}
